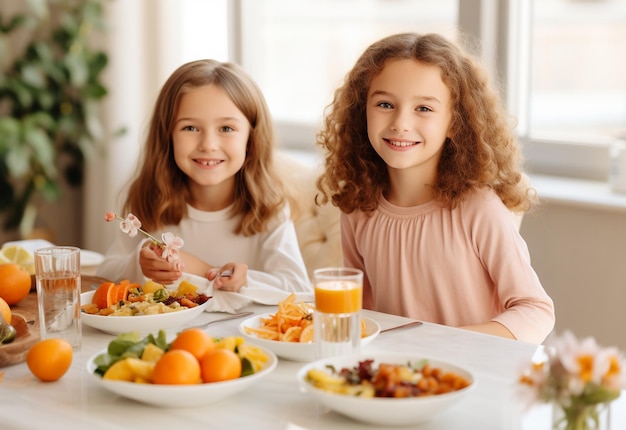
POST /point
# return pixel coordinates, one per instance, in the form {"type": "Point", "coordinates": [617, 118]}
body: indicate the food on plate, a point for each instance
{"type": "Point", "coordinates": [176, 367]}
{"type": "Point", "coordinates": [49, 359]}
{"type": "Point", "coordinates": [194, 340]}
{"type": "Point", "coordinates": [387, 380]}
{"type": "Point", "coordinates": [15, 283]}
{"type": "Point", "coordinates": [220, 365]}
{"type": "Point", "coordinates": [153, 360]}
{"type": "Point", "coordinates": [128, 299]}
{"type": "Point", "coordinates": [293, 322]}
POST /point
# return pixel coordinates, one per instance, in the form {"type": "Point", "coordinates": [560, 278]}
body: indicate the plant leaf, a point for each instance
{"type": "Point", "coordinates": [78, 70]}
{"type": "Point", "coordinates": [33, 75]}
{"type": "Point", "coordinates": [18, 161]}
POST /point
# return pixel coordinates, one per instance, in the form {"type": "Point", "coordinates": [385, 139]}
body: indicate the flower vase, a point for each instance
{"type": "Point", "coordinates": [582, 417]}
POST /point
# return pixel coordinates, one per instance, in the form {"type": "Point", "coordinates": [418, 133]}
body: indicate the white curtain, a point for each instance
{"type": "Point", "coordinates": [142, 42]}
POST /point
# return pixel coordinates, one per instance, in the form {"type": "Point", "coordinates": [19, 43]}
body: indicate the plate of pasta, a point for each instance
{"type": "Point", "coordinates": [288, 332]}
{"type": "Point", "coordinates": [124, 308]}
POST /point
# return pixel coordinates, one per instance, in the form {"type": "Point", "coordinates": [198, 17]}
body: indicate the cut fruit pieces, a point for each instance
{"type": "Point", "coordinates": [100, 295]}
{"type": "Point", "coordinates": [19, 255]}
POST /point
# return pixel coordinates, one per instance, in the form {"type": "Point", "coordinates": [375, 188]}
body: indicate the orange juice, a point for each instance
{"type": "Point", "coordinates": [338, 297]}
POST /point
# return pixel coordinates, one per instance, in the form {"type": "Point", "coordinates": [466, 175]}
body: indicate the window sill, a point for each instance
{"type": "Point", "coordinates": [578, 192]}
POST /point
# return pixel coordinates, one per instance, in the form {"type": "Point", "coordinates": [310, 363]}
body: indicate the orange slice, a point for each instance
{"type": "Point", "coordinates": [100, 295]}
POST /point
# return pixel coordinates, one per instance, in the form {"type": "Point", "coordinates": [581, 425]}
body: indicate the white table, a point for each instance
{"type": "Point", "coordinates": [275, 402]}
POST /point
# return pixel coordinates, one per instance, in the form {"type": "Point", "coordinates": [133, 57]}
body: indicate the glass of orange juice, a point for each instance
{"type": "Point", "coordinates": [338, 304]}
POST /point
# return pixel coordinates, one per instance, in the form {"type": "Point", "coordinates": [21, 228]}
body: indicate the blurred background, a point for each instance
{"type": "Point", "coordinates": [78, 80]}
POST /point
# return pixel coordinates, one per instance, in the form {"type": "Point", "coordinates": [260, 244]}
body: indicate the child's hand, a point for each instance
{"type": "Point", "coordinates": [234, 282]}
{"type": "Point", "coordinates": [153, 266]}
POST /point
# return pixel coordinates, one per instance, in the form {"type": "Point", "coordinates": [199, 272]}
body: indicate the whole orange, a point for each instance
{"type": "Point", "coordinates": [177, 367]}
{"type": "Point", "coordinates": [14, 283]}
{"type": "Point", "coordinates": [49, 359]}
{"type": "Point", "coordinates": [5, 310]}
{"type": "Point", "coordinates": [220, 365]}
{"type": "Point", "coordinates": [194, 340]}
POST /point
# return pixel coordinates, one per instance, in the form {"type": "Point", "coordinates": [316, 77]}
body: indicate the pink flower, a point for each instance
{"type": "Point", "coordinates": [172, 245]}
{"type": "Point", "coordinates": [575, 372]}
{"type": "Point", "coordinates": [131, 225]}
{"type": "Point", "coordinates": [169, 245]}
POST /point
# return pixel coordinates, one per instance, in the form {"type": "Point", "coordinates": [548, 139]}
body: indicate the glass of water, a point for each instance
{"type": "Point", "coordinates": [57, 272]}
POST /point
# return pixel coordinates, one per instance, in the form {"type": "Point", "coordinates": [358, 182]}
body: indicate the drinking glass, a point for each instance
{"type": "Point", "coordinates": [57, 273]}
{"type": "Point", "coordinates": [338, 304]}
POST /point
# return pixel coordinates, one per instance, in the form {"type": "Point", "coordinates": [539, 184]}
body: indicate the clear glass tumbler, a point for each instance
{"type": "Point", "coordinates": [57, 272]}
{"type": "Point", "coordinates": [338, 304]}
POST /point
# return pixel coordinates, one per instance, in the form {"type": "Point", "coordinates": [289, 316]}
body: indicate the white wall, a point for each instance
{"type": "Point", "coordinates": [580, 256]}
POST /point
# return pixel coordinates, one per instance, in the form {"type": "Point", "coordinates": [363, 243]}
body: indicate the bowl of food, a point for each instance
{"type": "Point", "coordinates": [386, 389]}
{"type": "Point", "coordinates": [120, 308]}
{"type": "Point", "coordinates": [262, 330]}
{"type": "Point", "coordinates": [134, 382]}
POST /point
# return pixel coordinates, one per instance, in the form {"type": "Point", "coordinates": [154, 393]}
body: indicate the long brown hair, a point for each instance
{"type": "Point", "coordinates": [159, 194]}
{"type": "Point", "coordinates": [481, 151]}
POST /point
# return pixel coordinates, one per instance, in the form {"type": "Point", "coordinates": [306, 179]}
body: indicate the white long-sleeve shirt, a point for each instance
{"type": "Point", "coordinates": [273, 257]}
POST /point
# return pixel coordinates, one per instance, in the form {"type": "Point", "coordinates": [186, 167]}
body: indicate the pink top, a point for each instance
{"type": "Point", "coordinates": [455, 267]}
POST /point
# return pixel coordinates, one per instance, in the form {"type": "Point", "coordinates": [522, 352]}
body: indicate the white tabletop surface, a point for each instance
{"type": "Point", "coordinates": [276, 402]}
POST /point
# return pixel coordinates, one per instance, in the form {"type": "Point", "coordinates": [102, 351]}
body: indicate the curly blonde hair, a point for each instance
{"type": "Point", "coordinates": [480, 152]}
{"type": "Point", "coordinates": [159, 194]}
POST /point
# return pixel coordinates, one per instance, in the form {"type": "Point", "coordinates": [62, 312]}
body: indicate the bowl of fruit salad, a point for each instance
{"type": "Point", "coordinates": [156, 372]}
{"type": "Point", "coordinates": [386, 389]}
{"type": "Point", "coordinates": [126, 306]}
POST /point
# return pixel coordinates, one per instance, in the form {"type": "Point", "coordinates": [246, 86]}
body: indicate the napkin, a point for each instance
{"type": "Point", "coordinates": [231, 302]}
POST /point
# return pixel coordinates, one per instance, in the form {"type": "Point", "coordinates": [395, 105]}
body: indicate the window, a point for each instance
{"type": "Point", "coordinates": [578, 64]}
{"type": "Point", "coordinates": [299, 51]}
{"type": "Point", "coordinates": [561, 63]}
{"type": "Point", "coordinates": [576, 102]}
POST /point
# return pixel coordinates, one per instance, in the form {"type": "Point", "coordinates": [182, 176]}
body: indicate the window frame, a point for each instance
{"type": "Point", "coordinates": [503, 30]}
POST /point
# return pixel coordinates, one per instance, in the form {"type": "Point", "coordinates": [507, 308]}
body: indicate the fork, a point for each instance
{"type": "Point", "coordinates": [224, 274]}
{"type": "Point", "coordinates": [407, 325]}
{"type": "Point", "coordinates": [226, 318]}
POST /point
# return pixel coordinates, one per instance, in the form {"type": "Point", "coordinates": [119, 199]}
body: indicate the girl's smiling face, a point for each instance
{"type": "Point", "coordinates": [408, 115]}
{"type": "Point", "coordinates": [210, 139]}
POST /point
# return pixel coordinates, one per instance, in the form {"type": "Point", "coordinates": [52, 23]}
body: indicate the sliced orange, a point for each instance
{"type": "Point", "coordinates": [112, 295]}
{"type": "Point", "coordinates": [100, 295]}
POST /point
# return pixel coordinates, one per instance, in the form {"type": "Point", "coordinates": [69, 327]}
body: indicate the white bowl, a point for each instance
{"type": "Point", "coordinates": [179, 396]}
{"type": "Point", "coordinates": [145, 324]}
{"type": "Point", "coordinates": [297, 351]}
{"type": "Point", "coordinates": [385, 411]}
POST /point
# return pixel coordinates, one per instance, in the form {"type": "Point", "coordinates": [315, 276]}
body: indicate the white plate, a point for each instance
{"type": "Point", "coordinates": [87, 258]}
{"type": "Point", "coordinates": [297, 351]}
{"type": "Point", "coordinates": [30, 245]}
{"type": "Point", "coordinates": [179, 396]}
{"type": "Point", "coordinates": [144, 324]}
{"type": "Point", "coordinates": [385, 411]}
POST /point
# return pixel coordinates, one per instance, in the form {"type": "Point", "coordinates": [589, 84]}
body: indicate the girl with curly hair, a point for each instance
{"type": "Point", "coordinates": [207, 176]}
{"type": "Point", "coordinates": [423, 165]}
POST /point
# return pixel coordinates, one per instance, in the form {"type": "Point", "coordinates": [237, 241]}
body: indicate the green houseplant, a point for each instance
{"type": "Point", "coordinates": [50, 87]}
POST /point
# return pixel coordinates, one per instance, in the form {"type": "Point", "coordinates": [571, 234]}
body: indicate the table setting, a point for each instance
{"type": "Point", "coordinates": [278, 397]}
